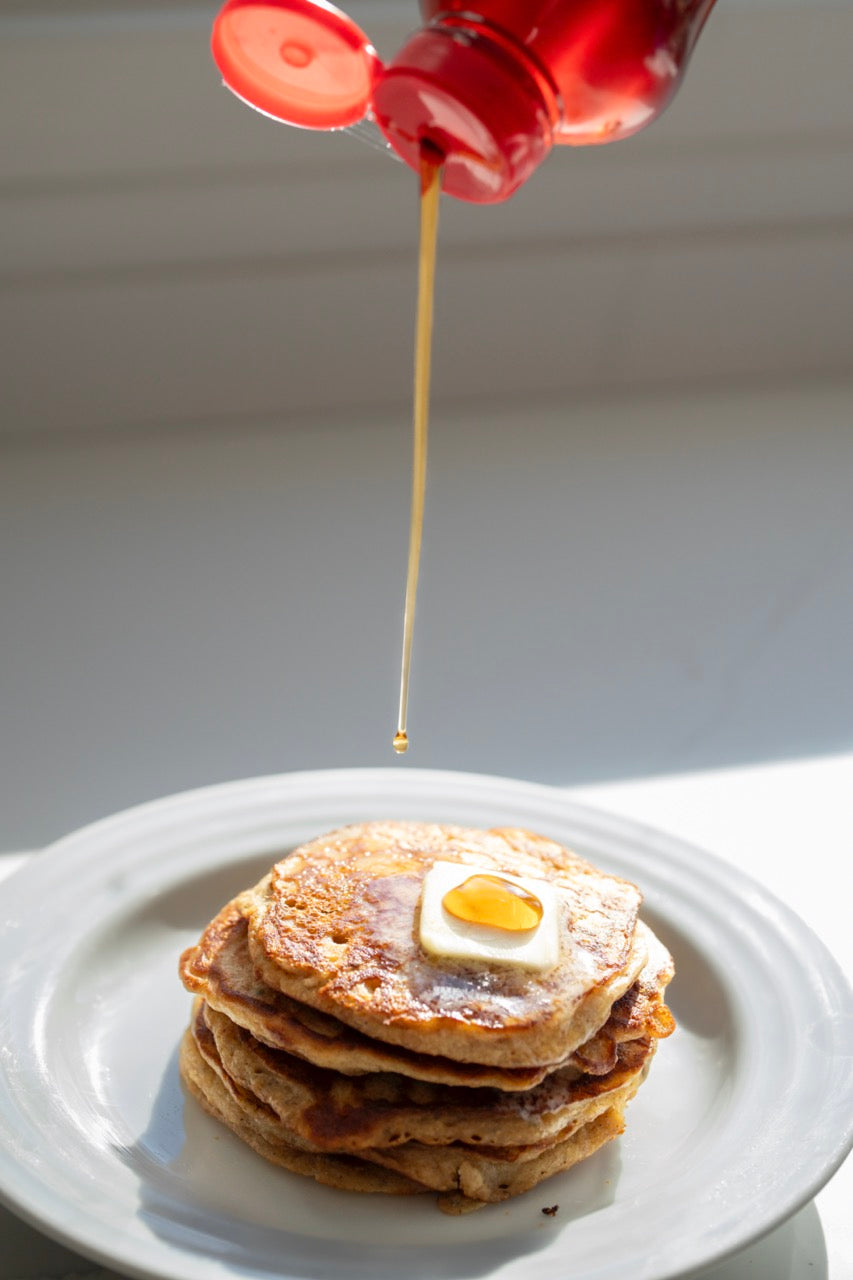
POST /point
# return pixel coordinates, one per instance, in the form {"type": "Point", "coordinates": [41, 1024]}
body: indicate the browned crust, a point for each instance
{"type": "Point", "coordinates": [496, 1179]}
{"type": "Point", "coordinates": [345, 1172]}
{"type": "Point", "coordinates": [489, 1079]}
{"type": "Point", "coordinates": [339, 1113]}
{"type": "Point", "coordinates": [479, 1175]}
{"type": "Point", "coordinates": [219, 968]}
{"type": "Point", "coordinates": [335, 927]}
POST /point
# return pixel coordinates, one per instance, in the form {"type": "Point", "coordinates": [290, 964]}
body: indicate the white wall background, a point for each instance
{"type": "Point", "coordinates": [608, 590]}
{"type": "Point", "coordinates": [639, 518]}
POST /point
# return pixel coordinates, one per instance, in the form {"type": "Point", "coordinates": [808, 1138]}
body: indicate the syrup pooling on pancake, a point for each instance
{"type": "Point", "coordinates": [467, 930]}
{"type": "Point", "coordinates": [495, 902]}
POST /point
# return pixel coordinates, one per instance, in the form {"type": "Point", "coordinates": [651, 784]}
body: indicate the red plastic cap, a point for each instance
{"type": "Point", "coordinates": [300, 61]}
{"type": "Point", "coordinates": [471, 101]}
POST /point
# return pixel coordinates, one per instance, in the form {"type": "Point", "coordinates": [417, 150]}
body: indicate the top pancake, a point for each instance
{"type": "Point", "coordinates": [219, 968]}
{"type": "Point", "coordinates": [335, 926]}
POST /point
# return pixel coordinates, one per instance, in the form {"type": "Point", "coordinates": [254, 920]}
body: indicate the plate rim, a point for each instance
{"type": "Point", "coordinates": [681, 852]}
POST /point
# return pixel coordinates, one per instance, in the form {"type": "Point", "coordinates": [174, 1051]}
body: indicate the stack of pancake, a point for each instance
{"type": "Point", "coordinates": [327, 1038]}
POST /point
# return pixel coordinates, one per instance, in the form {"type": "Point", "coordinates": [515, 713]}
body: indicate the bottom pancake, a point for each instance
{"type": "Point", "coordinates": [347, 1173]}
{"type": "Point", "coordinates": [468, 1176]}
{"type": "Point", "coordinates": [499, 1173]}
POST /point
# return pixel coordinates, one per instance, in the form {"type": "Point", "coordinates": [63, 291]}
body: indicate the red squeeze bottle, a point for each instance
{"type": "Point", "coordinates": [494, 84]}
{"type": "Point", "coordinates": [491, 85]}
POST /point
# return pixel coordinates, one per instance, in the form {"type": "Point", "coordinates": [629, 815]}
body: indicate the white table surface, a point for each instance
{"type": "Point", "coordinates": [769, 820]}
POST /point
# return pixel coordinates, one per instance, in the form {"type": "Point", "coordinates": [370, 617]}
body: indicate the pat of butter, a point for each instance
{"type": "Point", "coordinates": [447, 938]}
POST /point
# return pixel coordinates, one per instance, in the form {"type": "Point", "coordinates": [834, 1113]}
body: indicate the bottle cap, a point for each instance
{"type": "Point", "coordinates": [300, 61]}
{"type": "Point", "coordinates": [474, 102]}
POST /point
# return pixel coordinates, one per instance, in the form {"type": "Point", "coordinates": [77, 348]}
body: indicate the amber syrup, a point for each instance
{"type": "Point", "coordinates": [494, 901]}
{"type": "Point", "coordinates": [430, 177]}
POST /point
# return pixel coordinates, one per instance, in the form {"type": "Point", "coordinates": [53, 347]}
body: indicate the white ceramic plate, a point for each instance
{"type": "Point", "coordinates": [746, 1113]}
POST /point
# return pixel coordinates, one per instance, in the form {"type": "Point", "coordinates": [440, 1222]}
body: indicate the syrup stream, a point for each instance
{"type": "Point", "coordinates": [431, 165]}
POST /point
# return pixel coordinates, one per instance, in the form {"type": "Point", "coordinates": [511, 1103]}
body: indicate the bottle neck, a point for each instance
{"type": "Point", "coordinates": [472, 95]}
